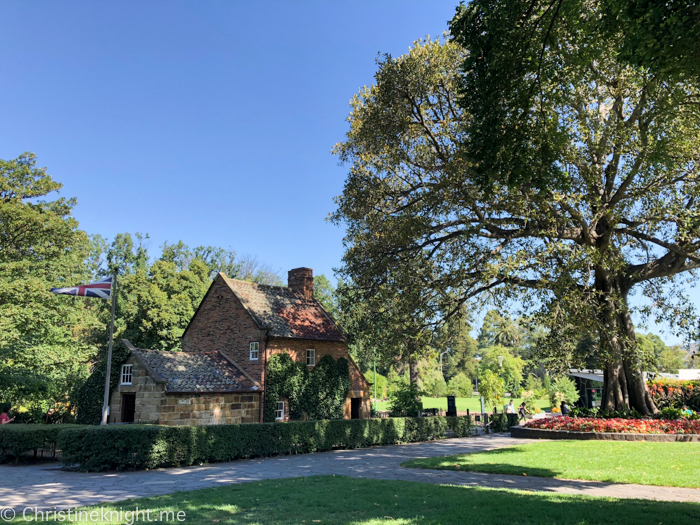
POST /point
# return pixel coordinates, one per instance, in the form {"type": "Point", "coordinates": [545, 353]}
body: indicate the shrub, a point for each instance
{"type": "Point", "coordinates": [152, 446]}
{"type": "Point", "coordinates": [434, 384]}
{"type": "Point", "coordinates": [534, 384]}
{"type": "Point", "coordinates": [563, 389]}
{"type": "Point", "coordinates": [491, 388]}
{"type": "Point", "coordinates": [675, 393]}
{"type": "Point", "coordinates": [382, 384]}
{"type": "Point", "coordinates": [16, 440]}
{"type": "Point", "coordinates": [670, 413]}
{"type": "Point", "coordinates": [460, 386]}
{"type": "Point", "coordinates": [405, 401]}
{"type": "Point", "coordinates": [529, 398]}
{"type": "Point", "coordinates": [502, 422]}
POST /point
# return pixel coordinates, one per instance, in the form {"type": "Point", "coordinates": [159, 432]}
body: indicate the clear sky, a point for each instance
{"type": "Point", "coordinates": [209, 122]}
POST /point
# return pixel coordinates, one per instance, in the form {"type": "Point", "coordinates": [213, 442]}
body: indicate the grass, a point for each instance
{"type": "Point", "coordinates": [348, 501]}
{"type": "Point", "coordinates": [642, 462]}
{"type": "Point", "coordinates": [464, 403]}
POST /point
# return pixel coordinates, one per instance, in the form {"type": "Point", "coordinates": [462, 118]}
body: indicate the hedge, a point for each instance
{"type": "Point", "coordinates": [16, 440]}
{"type": "Point", "coordinates": [152, 446]}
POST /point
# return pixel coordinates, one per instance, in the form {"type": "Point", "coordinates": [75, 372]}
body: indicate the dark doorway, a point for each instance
{"type": "Point", "coordinates": [128, 407]}
{"type": "Point", "coordinates": [355, 404]}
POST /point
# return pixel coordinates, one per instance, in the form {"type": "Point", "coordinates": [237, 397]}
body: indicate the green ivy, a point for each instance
{"type": "Point", "coordinates": [89, 396]}
{"type": "Point", "coordinates": [316, 394]}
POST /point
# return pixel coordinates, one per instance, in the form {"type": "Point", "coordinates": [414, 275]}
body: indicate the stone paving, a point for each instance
{"type": "Point", "coordinates": [48, 487]}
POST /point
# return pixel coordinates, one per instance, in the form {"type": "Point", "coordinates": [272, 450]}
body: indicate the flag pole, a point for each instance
{"type": "Point", "coordinates": [108, 373]}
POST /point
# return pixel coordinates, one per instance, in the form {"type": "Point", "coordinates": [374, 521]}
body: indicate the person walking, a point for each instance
{"type": "Point", "coordinates": [5, 416]}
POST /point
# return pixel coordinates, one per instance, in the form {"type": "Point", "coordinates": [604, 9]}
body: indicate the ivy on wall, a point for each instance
{"type": "Point", "coordinates": [89, 396]}
{"type": "Point", "coordinates": [316, 394]}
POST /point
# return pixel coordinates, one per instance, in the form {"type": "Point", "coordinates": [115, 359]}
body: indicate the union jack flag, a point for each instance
{"type": "Point", "coordinates": [101, 289]}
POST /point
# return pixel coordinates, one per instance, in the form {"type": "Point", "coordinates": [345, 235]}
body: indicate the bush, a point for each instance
{"type": "Point", "coordinates": [491, 388]}
{"type": "Point", "coordinates": [405, 401]}
{"type": "Point", "coordinates": [151, 446]}
{"type": "Point", "coordinates": [534, 384]}
{"type": "Point", "coordinates": [434, 383]}
{"type": "Point", "coordinates": [382, 384]}
{"type": "Point", "coordinates": [16, 440]}
{"type": "Point", "coordinates": [563, 389]}
{"type": "Point", "coordinates": [460, 386]}
{"type": "Point", "coordinates": [675, 393]}
{"type": "Point", "coordinates": [502, 422]}
{"type": "Point", "coordinates": [670, 413]}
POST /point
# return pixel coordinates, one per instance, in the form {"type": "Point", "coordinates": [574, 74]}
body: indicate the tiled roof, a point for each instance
{"type": "Point", "coordinates": [194, 371]}
{"type": "Point", "coordinates": [284, 312]}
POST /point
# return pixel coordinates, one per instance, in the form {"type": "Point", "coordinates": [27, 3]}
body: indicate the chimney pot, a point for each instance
{"type": "Point", "coordinates": [301, 280]}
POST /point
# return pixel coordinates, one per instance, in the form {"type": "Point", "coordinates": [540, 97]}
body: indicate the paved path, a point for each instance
{"type": "Point", "coordinates": [49, 487]}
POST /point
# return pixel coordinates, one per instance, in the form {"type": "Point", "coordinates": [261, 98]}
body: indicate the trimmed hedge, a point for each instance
{"type": "Point", "coordinates": [152, 446]}
{"type": "Point", "coordinates": [502, 422]}
{"type": "Point", "coordinates": [16, 440]}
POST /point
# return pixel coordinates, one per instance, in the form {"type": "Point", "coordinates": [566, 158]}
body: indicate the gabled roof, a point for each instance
{"type": "Point", "coordinates": [193, 372]}
{"type": "Point", "coordinates": [284, 312]}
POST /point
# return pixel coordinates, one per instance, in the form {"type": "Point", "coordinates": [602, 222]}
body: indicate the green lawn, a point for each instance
{"type": "Point", "coordinates": [646, 463]}
{"type": "Point", "coordinates": [347, 501]}
{"type": "Point", "coordinates": [463, 403]}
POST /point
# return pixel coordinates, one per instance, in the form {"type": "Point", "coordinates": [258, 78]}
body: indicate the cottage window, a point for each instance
{"type": "Point", "coordinates": [254, 351]}
{"type": "Point", "coordinates": [279, 413]}
{"type": "Point", "coordinates": [311, 357]}
{"type": "Point", "coordinates": [127, 374]}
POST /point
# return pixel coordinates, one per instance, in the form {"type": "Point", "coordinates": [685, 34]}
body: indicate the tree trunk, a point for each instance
{"type": "Point", "coordinates": [624, 387]}
{"type": "Point", "coordinates": [413, 370]}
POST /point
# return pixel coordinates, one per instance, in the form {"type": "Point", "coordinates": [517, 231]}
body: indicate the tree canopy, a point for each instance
{"type": "Point", "coordinates": [425, 236]}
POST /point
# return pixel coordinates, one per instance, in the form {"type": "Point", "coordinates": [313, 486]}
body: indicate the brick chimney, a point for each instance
{"type": "Point", "coordinates": [302, 280]}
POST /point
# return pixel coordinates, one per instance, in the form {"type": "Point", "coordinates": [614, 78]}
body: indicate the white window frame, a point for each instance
{"type": "Point", "coordinates": [279, 411]}
{"type": "Point", "coordinates": [254, 351]}
{"type": "Point", "coordinates": [127, 373]}
{"type": "Point", "coordinates": [310, 357]}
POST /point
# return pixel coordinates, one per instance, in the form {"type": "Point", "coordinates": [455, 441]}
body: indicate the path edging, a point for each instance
{"type": "Point", "coordinates": [541, 433]}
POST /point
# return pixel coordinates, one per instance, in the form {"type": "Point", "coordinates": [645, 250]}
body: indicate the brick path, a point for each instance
{"type": "Point", "coordinates": [49, 487]}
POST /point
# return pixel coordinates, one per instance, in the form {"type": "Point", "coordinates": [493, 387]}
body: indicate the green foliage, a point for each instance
{"type": "Point", "coordinates": [17, 439]}
{"type": "Point", "coordinates": [317, 394]}
{"type": "Point", "coordinates": [502, 422]}
{"type": "Point", "coordinates": [324, 293]}
{"type": "Point", "coordinates": [460, 386]}
{"type": "Point", "coordinates": [563, 389]}
{"type": "Point", "coordinates": [671, 413]}
{"type": "Point", "coordinates": [382, 384]}
{"type": "Point", "coordinates": [675, 394]}
{"type": "Point", "coordinates": [511, 371]}
{"type": "Point", "coordinates": [530, 398]}
{"type": "Point", "coordinates": [45, 345]}
{"type": "Point", "coordinates": [491, 388]}
{"type": "Point", "coordinates": [671, 360]}
{"type": "Point", "coordinates": [544, 185]}
{"type": "Point", "coordinates": [434, 384]}
{"type": "Point", "coordinates": [144, 446]}
{"type": "Point", "coordinates": [534, 385]}
{"type": "Point", "coordinates": [405, 400]}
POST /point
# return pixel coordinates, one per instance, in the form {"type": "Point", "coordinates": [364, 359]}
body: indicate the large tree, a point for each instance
{"type": "Point", "coordinates": [44, 343]}
{"type": "Point", "coordinates": [425, 235]}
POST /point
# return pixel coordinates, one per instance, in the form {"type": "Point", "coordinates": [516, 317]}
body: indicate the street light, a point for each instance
{"type": "Point", "coordinates": [500, 361]}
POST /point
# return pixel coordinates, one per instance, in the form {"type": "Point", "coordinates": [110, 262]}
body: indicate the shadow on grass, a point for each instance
{"type": "Point", "coordinates": [495, 467]}
{"type": "Point", "coordinates": [350, 501]}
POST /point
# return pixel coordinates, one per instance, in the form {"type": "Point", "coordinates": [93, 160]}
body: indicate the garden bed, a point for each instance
{"type": "Point", "coordinates": [610, 429]}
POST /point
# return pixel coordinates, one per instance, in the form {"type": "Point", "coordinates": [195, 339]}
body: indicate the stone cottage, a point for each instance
{"type": "Point", "coordinates": [220, 375]}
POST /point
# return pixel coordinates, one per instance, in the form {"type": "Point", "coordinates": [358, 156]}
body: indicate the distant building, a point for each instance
{"type": "Point", "coordinates": [220, 375]}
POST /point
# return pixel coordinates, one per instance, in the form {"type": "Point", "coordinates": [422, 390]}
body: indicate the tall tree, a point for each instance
{"type": "Point", "coordinates": [619, 213]}
{"type": "Point", "coordinates": [44, 348]}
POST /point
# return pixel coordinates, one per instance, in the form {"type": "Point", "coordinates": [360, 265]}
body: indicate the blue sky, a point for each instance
{"type": "Point", "coordinates": [209, 122]}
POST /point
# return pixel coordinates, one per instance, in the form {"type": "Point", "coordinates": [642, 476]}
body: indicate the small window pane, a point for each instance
{"type": "Point", "coordinates": [311, 357]}
{"type": "Point", "coordinates": [279, 413]}
{"type": "Point", "coordinates": [127, 374]}
{"type": "Point", "coordinates": [254, 351]}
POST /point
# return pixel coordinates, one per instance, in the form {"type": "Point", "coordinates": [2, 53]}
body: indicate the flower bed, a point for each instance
{"type": "Point", "coordinates": [621, 426]}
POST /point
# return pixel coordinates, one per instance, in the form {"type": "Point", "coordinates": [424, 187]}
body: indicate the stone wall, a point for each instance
{"type": "Point", "coordinates": [154, 405]}
{"type": "Point", "coordinates": [210, 409]}
{"type": "Point", "coordinates": [222, 324]}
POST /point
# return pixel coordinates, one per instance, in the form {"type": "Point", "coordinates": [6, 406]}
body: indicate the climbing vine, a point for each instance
{"type": "Point", "coordinates": [316, 394]}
